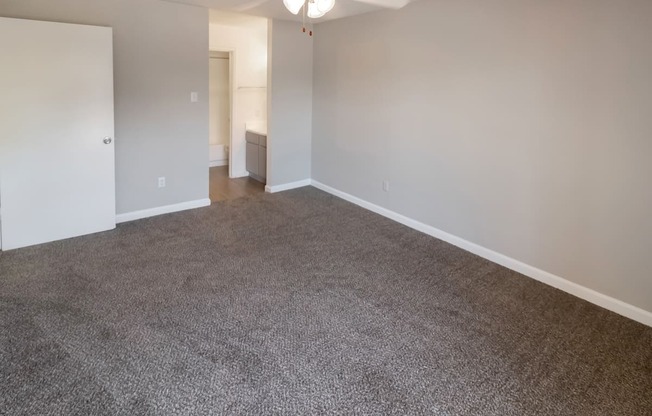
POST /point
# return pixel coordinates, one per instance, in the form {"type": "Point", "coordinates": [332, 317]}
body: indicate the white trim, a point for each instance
{"type": "Point", "coordinates": [167, 209]}
{"type": "Point", "coordinates": [287, 186]}
{"type": "Point", "coordinates": [216, 163]}
{"type": "Point", "coordinates": [590, 295]}
{"type": "Point", "coordinates": [242, 174]}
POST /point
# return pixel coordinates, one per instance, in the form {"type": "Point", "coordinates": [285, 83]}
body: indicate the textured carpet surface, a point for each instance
{"type": "Point", "coordinates": [299, 303]}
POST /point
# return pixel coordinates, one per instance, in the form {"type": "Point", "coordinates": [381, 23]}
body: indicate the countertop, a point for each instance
{"type": "Point", "coordinates": [257, 128]}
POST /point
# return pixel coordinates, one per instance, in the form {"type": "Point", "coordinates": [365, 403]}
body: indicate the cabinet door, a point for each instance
{"type": "Point", "coordinates": [262, 162]}
{"type": "Point", "coordinates": [252, 158]}
{"type": "Point", "coordinates": [252, 137]}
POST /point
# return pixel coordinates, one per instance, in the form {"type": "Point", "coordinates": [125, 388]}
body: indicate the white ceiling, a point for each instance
{"type": "Point", "coordinates": [236, 19]}
{"type": "Point", "coordinates": [276, 10]}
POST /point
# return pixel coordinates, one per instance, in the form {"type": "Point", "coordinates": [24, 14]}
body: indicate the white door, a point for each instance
{"type": "Point", "coordinates": [57, 172]}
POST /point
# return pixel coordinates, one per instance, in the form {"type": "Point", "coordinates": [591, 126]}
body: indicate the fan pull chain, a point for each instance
{"type": "Point", "coordinates": [303, 15]}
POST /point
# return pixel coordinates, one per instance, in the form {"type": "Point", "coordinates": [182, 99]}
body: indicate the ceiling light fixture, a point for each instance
{"type": "Point", "coordinates": [313, 9]}
{"type": "Point", "coordinates": [294, 6]}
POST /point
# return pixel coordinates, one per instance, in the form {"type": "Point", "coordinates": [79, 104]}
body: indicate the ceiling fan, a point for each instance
{"type": "Point", "coordinates": [297, 9]}
{"type": "Point", "coordinates": [315, 9]}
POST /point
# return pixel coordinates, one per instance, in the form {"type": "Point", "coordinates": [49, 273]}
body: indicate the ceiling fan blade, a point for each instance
{"type": "Point", "coordinates": [390, 4]}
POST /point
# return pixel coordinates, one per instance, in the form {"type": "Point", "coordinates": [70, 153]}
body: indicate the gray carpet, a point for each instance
{"type": "Point", "coordinates": [300, 304]}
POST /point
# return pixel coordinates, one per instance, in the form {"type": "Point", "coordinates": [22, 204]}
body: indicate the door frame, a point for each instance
{"type": "Point", "coordinates": [232, 92]}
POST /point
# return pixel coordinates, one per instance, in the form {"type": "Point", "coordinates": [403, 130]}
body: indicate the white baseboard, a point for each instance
{"type": "Point", "coordinates": [167, 209]}
{"type": "Point", "coordinates": [242, 174]}
{"type": "Point", "coordinates": [287, 186]}
{"type": "Point", "coordinates": [216, 163]}
{"type": "Point", "coordinates": [590, 295]}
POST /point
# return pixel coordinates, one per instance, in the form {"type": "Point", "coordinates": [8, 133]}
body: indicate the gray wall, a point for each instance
{"type": "Point", "coordinates": [160, 56]}
{"type": "Point", "coordinates": [289, 103]}
{"type": "Point", "coordinates": [522, 126]}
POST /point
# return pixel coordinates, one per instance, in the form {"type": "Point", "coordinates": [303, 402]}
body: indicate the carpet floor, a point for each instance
{"type": "Point", "coordinates": [300, 304]}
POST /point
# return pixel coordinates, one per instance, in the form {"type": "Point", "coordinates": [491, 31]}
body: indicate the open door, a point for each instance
{"type": "Point", "coordinates": [57, 169]}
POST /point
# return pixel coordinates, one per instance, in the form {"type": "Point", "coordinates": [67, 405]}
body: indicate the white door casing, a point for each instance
{"type": "Point", "coordinates": [219, 100]}
{"type": "Point", "coordinates": [57, 175]}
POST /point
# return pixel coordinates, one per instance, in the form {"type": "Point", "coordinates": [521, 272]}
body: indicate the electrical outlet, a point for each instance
{"type": "Point", "coordinates": [161, 182]}
{"type": "Point", "coordinates": [194, 97]}
{"type": "Point", "coordinates": [386, 185]}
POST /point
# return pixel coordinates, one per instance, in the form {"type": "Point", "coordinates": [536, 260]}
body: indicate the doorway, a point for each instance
{"type": "Point", "coordinates": [222, 186]}
{"type": "Point", "coordinates": [238, 104]}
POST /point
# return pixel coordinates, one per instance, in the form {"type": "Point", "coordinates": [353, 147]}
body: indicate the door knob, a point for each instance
{"type": "Point", "coordinates": [107, 140]}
